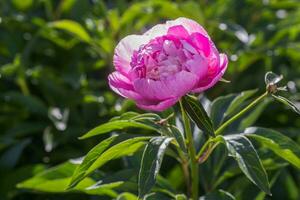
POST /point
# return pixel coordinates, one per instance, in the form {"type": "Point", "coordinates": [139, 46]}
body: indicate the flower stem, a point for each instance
{"type": "Point", "coordinates": [238, 115]}
{"type": "Point", "coordinates": [192, 154]}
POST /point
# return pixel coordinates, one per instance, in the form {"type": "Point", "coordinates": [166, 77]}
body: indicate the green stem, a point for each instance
{"type": "Point", "coordinates": [238, 115]}
{"type": "Point", "coordinates": [208, 142]}
{"type": "Point", "coordinates": [192, 154]}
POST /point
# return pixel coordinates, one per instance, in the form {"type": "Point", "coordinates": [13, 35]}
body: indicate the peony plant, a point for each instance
{"type": "Point", "coordinates": [166, 70]}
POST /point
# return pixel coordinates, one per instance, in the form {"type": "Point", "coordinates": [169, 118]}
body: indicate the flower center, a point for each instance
{"type": "Point", "coordinates": [162, 57]}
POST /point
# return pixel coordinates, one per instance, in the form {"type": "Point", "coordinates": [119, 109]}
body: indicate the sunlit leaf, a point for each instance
{"type": "Point", "coordinates": [280, 144]}
{"type": "Point", "coordinates": [100, 155]}
{"type": "Point", "coordinates": [72, 27]}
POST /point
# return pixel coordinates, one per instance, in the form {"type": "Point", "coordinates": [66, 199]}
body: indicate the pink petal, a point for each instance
{"type": "Point", "coordinates": [124, 51]}
{"type": "Point", "coordinates": [190, 25]}
{"type": "Point", "coordinates": [157, 106]}
{"type": "Point", "coordinates": [173, 86]}
{"type": "Point", "coordinates": [217, 77]}
{"type": "Point", "coordinates": [201, 42]}
{"type": "Point", "coordinates": [122, 86]}
{"type": "Point", "coordinates": [178, 30]}
{"type": "Point", "coordinates": [197, 65]}
{"type": "Point", "coordinates": [152, 89]}
{"type": "Point", "coordinates": [162, 29]}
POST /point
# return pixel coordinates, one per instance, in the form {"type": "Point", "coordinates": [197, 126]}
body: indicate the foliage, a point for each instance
{"type": "Point", "coordinates": [55, 57]}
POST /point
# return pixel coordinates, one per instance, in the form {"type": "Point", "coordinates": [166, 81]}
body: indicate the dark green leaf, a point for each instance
{"type": "Point", "coordinates": [218, 108]}
{"type": "Point", "coordinates": [287, 102]}
{"type": "Point", "coordinates": [242, 150]}
{"type": "Point", "coordinates": [238, 101]}
{"type": "Point", "coordinates": [179, 138]}
{"type": "Point", "coordinates": [280, 144]}
{"type": "Point", "coordinates": [218, 195]}
{"type": "Point", "coordinates": [151, 162]}
{"type": "Point", "coordinates": [197, 113]}
{"type": "Point", "coordinates": [251, 118]}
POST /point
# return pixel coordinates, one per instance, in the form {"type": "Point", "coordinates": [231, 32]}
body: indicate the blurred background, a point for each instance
{"type": "Point", "coordinates": [55, 56]}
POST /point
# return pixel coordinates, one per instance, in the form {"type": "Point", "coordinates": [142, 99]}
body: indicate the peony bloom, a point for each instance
{"type": "Point", "coordinates": [170, 60]}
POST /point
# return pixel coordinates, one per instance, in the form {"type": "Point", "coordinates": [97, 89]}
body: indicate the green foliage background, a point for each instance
{"type": "Point", "coordinates": [55, 57]}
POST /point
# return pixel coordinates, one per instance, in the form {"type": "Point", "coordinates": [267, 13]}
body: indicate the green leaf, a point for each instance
{"type": "Point", "coordinates": [89, 159]}
{"type": "Point", "coordinates": [72, 27]}
{"type": "Point", "coordinates": [287, 102]}
{"type": "Point", "coordinates": [179, 138]}
{"type": "Point", "coordinates": [218, 195]}
{"type": "Point", "coordinates": [128, 120]}
{"type": "Point", "coordinates": [197, 113]}
{"type": "Point", "coordinates": [56, 180]}
{"type": "Point", "coordinates": [218, 108]}
{"type": "Point", "coordinates": [97, 157]}
{"type": "Point", "coordinates": [242, 150]}
{"type": "Point", "coordinates": [238, 101]}
{"type": "Point", "coordinates": [115, 125]}
{"type": "Point", "coordinates": [151, 162]}
{"type": "Point", "coordinates": [127, 196]}
{"type": "Point", "coordinates": [280, 144]}
{"type": "Point", "coordinates": [251, 118]}
{"type": "Point", "coordinates": [180, 197]}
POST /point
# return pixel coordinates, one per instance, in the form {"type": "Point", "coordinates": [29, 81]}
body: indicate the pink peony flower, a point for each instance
{"type": "Point", "coordinates": [170, 60]}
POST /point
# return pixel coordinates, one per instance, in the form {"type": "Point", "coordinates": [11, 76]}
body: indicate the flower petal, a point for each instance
{"type": "Point", "coordinates": [190, 25]}
{"type": "Point", "coordinates": [217, 77]}
{"type": "Point", "coordinates": [122, 86]}
{"type": "Point", "coordinates": [197, 65]}
{"type": "Point", "coordinates": [152, 89]}
{"type": "Point", "coordinates": [178, 31]}
{"type": "Point", "coordinates": [173, 86]}
{"type": "Point", "coordinates": [157, 106]}
{"type": "Point", "coordinates": [201, 42]}
{"type": "Point", "coordinates": [124, 51]}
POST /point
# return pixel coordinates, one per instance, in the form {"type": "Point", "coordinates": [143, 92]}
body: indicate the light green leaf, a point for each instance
{"type": "Point", "coordinates": [151, 162]}
{"type": "Point", "coordinates": [115, 125]}
{"type": "Point", "coordinates": [128, 120]}
{"type": "Point", "coordinates": [197, 113]}
{"type": "Point", "coordinates": [280, 144]}
{"type": "Point", "coordinates": [127, 196]}
{"type": "Point", "coordinates": [287, 102]}
{"type": "Point", "coordinates": [89, 159]}
{"type": "Point", "coordinates": [180, 197]}
{"type": "Point", "coordinates": [98, 156]}
{"type": "Point", "coordinates": [242, 150]}
{"type": "Point", "coordinates": [56, 180]}
{"type": "Point", "coordinates": [72, 27]}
